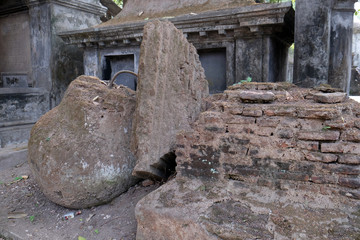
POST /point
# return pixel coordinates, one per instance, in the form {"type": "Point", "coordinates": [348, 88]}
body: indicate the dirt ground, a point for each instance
{"type": "Point", "coordinates": [25, 213]}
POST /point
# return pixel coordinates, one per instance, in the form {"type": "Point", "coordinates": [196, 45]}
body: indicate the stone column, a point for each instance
{"type": "Point", "coordinates": [263, 58]}
{"type": "Point", "coordinates": [341, 44]}
{"type": "Point", "coordinates": [323, 32]}
{"type": "Point", "coordinates": [312, 42]}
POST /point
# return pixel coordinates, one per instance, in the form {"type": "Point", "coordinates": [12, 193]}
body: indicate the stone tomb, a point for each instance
{"type": "Point", "coordinates": [235, 39]}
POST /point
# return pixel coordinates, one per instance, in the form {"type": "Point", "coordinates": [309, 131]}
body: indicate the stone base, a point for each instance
{"type": "Point", "coordinates": [14, 135]}
{"type": "Point", "coordinates": [191, 209]}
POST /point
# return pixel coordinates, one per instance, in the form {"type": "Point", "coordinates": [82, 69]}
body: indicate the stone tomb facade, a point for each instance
{"type": "Point", "coordinates": [250, 40]}
{"type": "Point", "coordinates": [36, 66]}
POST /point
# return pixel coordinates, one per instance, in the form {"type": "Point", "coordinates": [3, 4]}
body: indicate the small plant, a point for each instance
{"type": "Point", "coordinates": [248, 79]}
{"type": "Point", "coordinates": [325, 128]}
{"type": "Point", "coordinates": [96, 231]}
{"type": "Point", "coordinates": [31, 218]}
{"type": "Point", "coordinates": [18, 178]}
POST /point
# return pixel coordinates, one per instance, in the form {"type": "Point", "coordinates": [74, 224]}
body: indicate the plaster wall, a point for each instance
{"type": "Point", "coordinates": [67, 59]}
{"type": "Point", "coordinates": [356, 44]}
{"type": "Point", "coordinates": [15, 43]}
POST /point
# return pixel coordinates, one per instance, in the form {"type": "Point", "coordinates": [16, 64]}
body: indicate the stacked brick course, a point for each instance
{"type": "Point", "coordinates": [269, 134]}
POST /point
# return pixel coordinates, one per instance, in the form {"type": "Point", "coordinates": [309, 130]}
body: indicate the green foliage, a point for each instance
{"type": "Point", "coordinates": [18, 178]}
{"type": "Point", "coordinates": [31, 218]}
{"type": "Point", "coordinates": [81, 238]}
{"type": "Point", "coordinates": [248, 79]}
{"type": "Point", "coordinates": [118, 2]}
{"type": "Point", "coordinates": [96, 231]}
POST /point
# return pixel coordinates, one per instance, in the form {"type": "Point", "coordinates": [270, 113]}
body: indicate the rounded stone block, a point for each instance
{"type": "Point", "coordinates": [79, 152]}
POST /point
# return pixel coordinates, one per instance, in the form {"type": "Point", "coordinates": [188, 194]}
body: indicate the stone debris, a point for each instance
{"type": "Point", "coordinates": [79, 152]}
{"type": "Point", "coordinates": [171, 89]}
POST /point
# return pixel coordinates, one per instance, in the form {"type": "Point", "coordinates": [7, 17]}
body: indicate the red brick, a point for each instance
{"type": "Point", "coordinates": [232, 108]}
{"type": "Point", "coordinates": [240, 120]}
{"type": "Point", "coordinates": [264, 131]}
{"type": "Point", "coordinates": [285, 133]}
{"type": "Point", "coordinates": [319, 135]}
{"type": "Point", "coordinates": [323, 179]}
{"type": "Point", "coordinates": [352, 135]}
{"type": "Point", "coordinates": [349, 182]}
{"type": "Point", "coordinates": [292, 176]}
{"type": "Point", "coordinates": [256, 96]}
{"type": "Point", "coordinates": [210, 117]}
{"type": "Point", "coordinates": [311, 124]}
{"type": "Point", "coordinates": [349, 159]}
{"type": "Point", "coordinates": [319, 113]}
{"type": "Point", "coordinates": [267, 122]}
{"type": "Point", "coordinates": [342, 169]}
{"type": "Point", "coordinates": [311, 146]}
{"type": "Point", "coordinates": [235, 110]}
{"type": "Point", "coordinates": [286, 144]}
{"type": "Point", "coordinates": [252, 112]}
{"type": "Point", "coordinates": [340, 147]}
{"type": "Point", "coordinates": [341, 123]}
{"type": "Point", "coordinates": [287, 110]}
{"type": "Point", "coordinates": [320, 157]}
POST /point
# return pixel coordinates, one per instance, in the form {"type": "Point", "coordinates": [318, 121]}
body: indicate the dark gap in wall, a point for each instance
{"type": "Point", "coordinates": [116, 63]}
{"type": "Point", "coordinates": [214, 63]}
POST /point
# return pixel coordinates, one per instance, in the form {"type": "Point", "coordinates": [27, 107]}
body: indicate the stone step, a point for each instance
{"type": "Point", "coordinates": [13, 156]}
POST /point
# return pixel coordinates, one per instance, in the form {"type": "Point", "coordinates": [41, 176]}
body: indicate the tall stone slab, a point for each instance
{"type": "Point", "coordinates": [323, 38]}
{"type": "Point", "coordinates": [171, 89]}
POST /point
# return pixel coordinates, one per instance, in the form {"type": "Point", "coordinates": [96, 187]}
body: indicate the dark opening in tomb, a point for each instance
{"type": "Point", "coordinates": [166, 165]}
{"type": "Point", "coordinates": [114, 64]}
{"type": "Point", "coordinates": [214, 64]}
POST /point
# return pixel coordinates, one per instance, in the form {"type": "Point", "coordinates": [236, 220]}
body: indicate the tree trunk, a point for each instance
{"type": "Point", "coordinates": [111, 6]}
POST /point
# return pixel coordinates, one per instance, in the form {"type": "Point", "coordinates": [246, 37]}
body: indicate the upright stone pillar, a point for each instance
{"type": "Point", "coordinates": [341, 44]}
{"type": "Point", "coordinates": [323, 32]}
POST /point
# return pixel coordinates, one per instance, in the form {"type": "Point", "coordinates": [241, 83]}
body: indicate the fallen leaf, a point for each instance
{"type": "Point", "coordinates": [81, 238]}
{"type": "Point", "coordinates": [90, 216]}
{"type": "Point", "coordinates": [16, 215]}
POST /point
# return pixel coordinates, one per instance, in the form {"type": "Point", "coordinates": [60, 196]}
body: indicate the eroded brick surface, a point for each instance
{"type": "Point", "coordinates": [295, 140]}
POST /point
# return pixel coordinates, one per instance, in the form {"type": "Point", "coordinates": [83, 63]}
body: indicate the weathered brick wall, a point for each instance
{"type": "Point", "coordinates": [275, 135]}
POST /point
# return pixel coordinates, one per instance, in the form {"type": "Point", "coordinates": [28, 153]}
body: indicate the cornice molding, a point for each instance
{"type": "Point", "coordinates": [13, 7]}
{"type": "Point", "coordinates": [79, 5]}
{"type": "Point", "coordinates": [250, 19]}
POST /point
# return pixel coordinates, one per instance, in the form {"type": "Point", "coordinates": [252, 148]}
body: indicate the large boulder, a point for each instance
{"type": "Point", "coordinates": [170, 93]}
{"type": "Point", "coordinates": [79, 152]}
